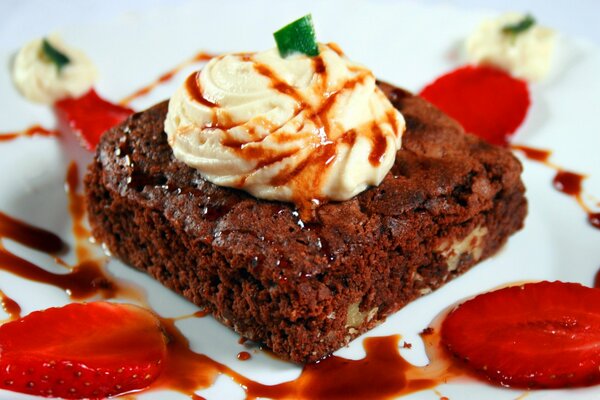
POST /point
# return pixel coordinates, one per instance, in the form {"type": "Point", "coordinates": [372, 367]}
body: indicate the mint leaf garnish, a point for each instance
{"type": "Point", "coordinates": [519, 27]}
{"type": "Point", "coordinates": [297, 37]}
{"type": "Point", "coordinates": [54, 55]}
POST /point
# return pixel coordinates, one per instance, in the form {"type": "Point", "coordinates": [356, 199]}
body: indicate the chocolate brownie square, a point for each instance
{"type": "Point", "coordinates": [306, 288]}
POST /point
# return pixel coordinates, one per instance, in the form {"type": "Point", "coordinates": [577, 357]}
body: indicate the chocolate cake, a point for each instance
{"type": "Point", "coordinates": [306, 288]}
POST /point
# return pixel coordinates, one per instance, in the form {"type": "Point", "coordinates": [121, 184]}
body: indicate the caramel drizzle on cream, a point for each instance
{"type": "Point", "coordinates": [306, 176]}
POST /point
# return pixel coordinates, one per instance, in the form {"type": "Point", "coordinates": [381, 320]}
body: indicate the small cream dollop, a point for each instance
{"type": "Point", "coordinates": [526, 55]}
{"type": "Point", "coordinates": [39, 79]}
{"type": "Point", "coordinates": [291, 129]}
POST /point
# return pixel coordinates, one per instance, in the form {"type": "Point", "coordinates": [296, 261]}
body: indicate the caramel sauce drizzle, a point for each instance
{"type": "Point", "coordinates": [391, 119]}
{"type": "Point", "coordinates": [379, 145]}
{"type": "Point", "coordinates": [531, 153]}
{"type": "Point", "coordinates": [313, 167]}
{"type": "Point", "coordinates": [87, 278]}
{"type": "Point", "coordinates": [165, 77]}
{"type": "Point", "coordinates": [192, 85]}
{"type": "Point", "coordinates": [77, 211]}
{"type": "Point", "coordinates": [336, 48]}
{"type": "Point", "coordinates": [381, 374]}
{"type": "Point", "coordinates": [567, 182]}
{"type": "Point", "coordinates": [29, 235]}
{"type": "Point", "coordinates": [279, 84]}
{"type": "Point", "coordinates": [90, 271]}
{"type": "Point", "coordinates": [201, 313]}
{"type": "Point", "coordinates": [320, 70]}
{"type": "Point", "coordinates": [35, 130]}
{"type": "Point", "coordinates": [10, 307]}
{"type": "Point", "coordinates": [82, 281]}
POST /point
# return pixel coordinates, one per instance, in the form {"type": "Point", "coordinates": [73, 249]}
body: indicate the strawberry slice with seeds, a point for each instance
{"type": "Point", "coordinates": [487, 101]}
{"type": "Point", "coordinates": [89, 116]}
{"type": "Point", "coordinates": [92, 350]}
{"type": "Point", "coordinates": [538, 335]}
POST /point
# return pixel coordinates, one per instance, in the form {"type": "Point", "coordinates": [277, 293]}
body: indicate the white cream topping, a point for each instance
{"type": "Point", "coordinates": [290, 129]}
{"type": "Point", "coordinates": [39, 79]}
{"type": "Point", "coordinates": [526, 55]}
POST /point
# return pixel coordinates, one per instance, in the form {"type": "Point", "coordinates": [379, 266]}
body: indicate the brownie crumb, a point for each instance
{"type": "Point", "coordinates": [427, 331]}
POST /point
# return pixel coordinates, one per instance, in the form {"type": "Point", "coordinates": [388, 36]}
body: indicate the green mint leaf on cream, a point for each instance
{"type": "Point", "coordinates": [54, 55]}
{"type": "Point", "coordinates": [297, 37]}
{"type": "Point", "coordinates": [519, 27]}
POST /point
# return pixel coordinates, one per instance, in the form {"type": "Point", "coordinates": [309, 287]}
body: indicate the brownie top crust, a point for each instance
{"type": "Point", "coordinates": [441, 177]}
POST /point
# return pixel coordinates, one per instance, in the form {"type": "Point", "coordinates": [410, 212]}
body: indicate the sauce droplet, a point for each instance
{"type": "Point", "coordinates": [568, 182]}
{"type": "Point", "coordinates": [243, 356]}
{"type": "Point", "coordinates": [486, 101]}
{"type": "Point", "coordinates": [594, 219]}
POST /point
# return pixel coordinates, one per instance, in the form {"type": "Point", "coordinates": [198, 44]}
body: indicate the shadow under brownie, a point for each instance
{"type": "Point", "coordinates": [305, 289]}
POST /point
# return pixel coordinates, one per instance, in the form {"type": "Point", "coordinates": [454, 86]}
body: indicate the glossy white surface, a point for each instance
{"type": "Point", "coordinates": [403, 42]}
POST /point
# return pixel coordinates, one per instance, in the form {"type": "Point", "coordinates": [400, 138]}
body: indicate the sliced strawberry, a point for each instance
{"type": "Point", "coordinates": [89, 116]}
{"type": "Point", "coordinates": [538, 335]}
{"type": "Point", "coordinates": [92, 350]}
{"type": "Point", "coordinates": [486, 101]}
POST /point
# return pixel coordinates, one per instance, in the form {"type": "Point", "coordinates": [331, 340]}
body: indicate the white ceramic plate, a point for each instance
{"type": "Point", "coordinates": [403, 44]}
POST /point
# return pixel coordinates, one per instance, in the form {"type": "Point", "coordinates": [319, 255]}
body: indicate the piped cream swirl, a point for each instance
{"type": "Point", "coordinates": [39, 79]}
{"type": "Point", "coordinates": [290, 129]}
{"type": "Point", "coordinates": [526, 55]}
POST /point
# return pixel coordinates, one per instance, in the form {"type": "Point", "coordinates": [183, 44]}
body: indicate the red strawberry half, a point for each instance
{"type": "Point", "coordinates": [538, 335]}
{"type": "Point", "coordinates": [89, 116]}
{"type": "Point", "coordinates": [93, 350]}
{"type": "Point", "coordinates": [487, 102]}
